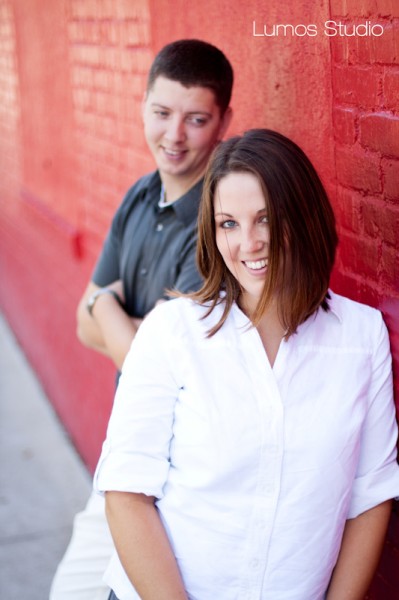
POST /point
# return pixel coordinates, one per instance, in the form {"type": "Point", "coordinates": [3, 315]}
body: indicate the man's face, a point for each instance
{"type": "Point", "coordinates": [182, 126]}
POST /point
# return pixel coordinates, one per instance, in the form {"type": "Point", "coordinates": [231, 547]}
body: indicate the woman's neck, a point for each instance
{"type": "Point", "coordinates": [271, 333]}
{"type": "Point", "coordinates": [270, 328]}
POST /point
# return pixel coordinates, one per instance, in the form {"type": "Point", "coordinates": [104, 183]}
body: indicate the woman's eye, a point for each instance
{"type": "Point", "coordinates": [161, 113]}
{"type": "Point", "coordinates": [229, 224]}
{"type": "Point", "coordinates": [264, 219]}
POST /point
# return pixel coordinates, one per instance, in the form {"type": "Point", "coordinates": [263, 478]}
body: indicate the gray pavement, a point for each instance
{"type": "Point", "coordinates": [43, 482]}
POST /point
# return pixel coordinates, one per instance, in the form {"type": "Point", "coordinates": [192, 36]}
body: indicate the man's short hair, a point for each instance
{"type": "Point", "coordinates": [195, 63]}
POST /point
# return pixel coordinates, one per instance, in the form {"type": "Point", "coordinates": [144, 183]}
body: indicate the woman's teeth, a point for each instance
{"type": "Point", "coordinates": [256, 265]}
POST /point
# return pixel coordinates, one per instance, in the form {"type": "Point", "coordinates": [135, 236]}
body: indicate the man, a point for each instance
{"type": "Point", "coordinates": [149, 249]}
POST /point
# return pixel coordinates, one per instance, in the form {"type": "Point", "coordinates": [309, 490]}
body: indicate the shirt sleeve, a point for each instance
{"type": "Point", "coordinates": [188, 279]}
{"type": "Point", "coordinates": [107, 268]}
{"type": "Point", "coordinates": [377, 478]}
{"type": "Point", "coordinates": [135, 454]}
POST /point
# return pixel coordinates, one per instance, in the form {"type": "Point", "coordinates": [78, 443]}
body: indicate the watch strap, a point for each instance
{"type": "Point", "coordinates": [93, 298]}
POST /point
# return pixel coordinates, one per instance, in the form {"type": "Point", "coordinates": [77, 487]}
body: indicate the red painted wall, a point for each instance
{"type": "Point", "coordinates": [72, 75]}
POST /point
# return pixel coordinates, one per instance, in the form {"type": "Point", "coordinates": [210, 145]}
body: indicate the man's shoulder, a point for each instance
{"type": "Point", "coordinates": [137, 192]}
{"type": "Point", "coordinates": [138, 189]}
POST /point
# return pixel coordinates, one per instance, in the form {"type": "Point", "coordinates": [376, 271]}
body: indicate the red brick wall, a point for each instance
{"type": "Point", "coordinates": [365, 84]}
{"type": "Point", "coordinates": [72, 74]}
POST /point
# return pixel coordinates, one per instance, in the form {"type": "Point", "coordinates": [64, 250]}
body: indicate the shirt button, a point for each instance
{"type": "Point", "coordinates": [159, 227]}
{"type": "Point", "coordinates": [143, 271]}
{"type": "Point", "coordinates": [254, 563]}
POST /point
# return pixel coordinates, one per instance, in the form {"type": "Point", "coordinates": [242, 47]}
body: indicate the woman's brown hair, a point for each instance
{"type": "Point", "coordinates": [303, 237]}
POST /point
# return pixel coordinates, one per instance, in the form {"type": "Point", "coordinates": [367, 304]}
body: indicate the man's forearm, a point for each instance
{"type": "Point", "coordinates": [360, 552]}
{"type": "Point", "coordinates": [143, 546]}
{"type": "Point", "coordinates": [116, 327]}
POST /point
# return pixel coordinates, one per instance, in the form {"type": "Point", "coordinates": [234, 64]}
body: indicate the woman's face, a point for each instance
{"type": "Point", "coordinates": [242, 233]}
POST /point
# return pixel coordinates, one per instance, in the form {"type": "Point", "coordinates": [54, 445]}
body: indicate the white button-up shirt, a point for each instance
{"type": "Point", "coordinates": [255, 469]}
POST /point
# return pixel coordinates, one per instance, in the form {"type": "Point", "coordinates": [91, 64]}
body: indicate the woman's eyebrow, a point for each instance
{"type": "Point", "coordinates": [217, 214]}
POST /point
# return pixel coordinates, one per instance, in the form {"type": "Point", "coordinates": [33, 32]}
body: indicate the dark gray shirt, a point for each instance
{"type": "Point", "coordinates": [151, 248]}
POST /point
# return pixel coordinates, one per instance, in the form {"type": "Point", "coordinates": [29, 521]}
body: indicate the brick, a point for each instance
{"type": "Point", "coordinates": [126, 9]}
{"type": "Point", "coordinates": [358, 169]}
{"type": "Point", "coordinates": [102, 79]}
{"type": "Point", "coordinates": [360, 8]}
{"type": "Point", "coordinates": [369, 292]}
{"type": "Point", "coordinates": [348, 210]}
{"type": "Point", "coordinates": [361, 50]}
{"type": "Point", "coordinates": [387, 49]}
{"type": "Point", "coordinates": [364, 8]}
{"type": "Point", "coordinates": [390, 174]}
{"type": "Point", "coordinates": [344, 121]}
{"type": "Point", "coordinates": [391, 88]}
{"type": "Point", "coordinates": [390, 269]}
{"type": "Point", "coordinates": [357, 86]}
{"type": "Point", "coordinates": [110, 58]}
{"type": "Point", "coordinates": [388, 8]}
{"type": "Point", "coordinates": [380, 132]}
{"type": "Point", "coordinates": [381, 221]}
{"type": "Point", "coordinates": [360, 256]}
{"type": "Point", "coordinates": [135, 34]}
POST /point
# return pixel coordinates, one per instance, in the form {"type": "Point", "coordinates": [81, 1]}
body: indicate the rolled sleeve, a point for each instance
{"type": "Point", "coordinates": [377, 478]}
{"type": "Point", "coordinates": [135, 455]}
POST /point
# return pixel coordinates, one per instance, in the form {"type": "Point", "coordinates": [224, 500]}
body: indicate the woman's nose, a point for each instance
{"type": "Point", "coordinates": [251, 241]}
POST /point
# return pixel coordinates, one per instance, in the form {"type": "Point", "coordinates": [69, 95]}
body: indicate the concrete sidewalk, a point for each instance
{"type": "Point", "coordinates": [43, 482]}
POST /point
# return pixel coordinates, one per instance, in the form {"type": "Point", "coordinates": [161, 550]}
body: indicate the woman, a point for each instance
{"type": "Point", "coordinates": [251, 450]}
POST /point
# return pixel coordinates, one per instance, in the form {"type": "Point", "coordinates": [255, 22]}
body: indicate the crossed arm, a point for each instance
{"type": "Point", "coordinates": [109, 329]}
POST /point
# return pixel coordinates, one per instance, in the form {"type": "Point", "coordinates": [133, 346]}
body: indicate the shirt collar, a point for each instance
{"type": "Point", "coordinates": [334, 306]}
{"type": "Point", "coordinates": [333, 303]}
{"type": "Point", "coordinates": [186, 207]}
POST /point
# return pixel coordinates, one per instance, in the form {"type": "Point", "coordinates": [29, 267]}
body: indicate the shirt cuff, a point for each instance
{"type": "Point", "coordinates": [138, 474]}
{"type": "Point", "coordinates": [373, 489]}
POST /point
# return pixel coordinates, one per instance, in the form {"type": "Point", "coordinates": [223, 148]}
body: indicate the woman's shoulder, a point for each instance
{"type": "Point", "coordinates": [359, 321]}
{"type": "Point", "coordinates": [346, 308]}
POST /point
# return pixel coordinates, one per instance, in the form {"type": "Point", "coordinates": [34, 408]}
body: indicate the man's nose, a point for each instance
{"type": "Point", "coordinates": [176, 131]}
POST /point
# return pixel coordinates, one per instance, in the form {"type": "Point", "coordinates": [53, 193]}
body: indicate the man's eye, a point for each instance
{"type": "Point", "coordinates": [198, 121]}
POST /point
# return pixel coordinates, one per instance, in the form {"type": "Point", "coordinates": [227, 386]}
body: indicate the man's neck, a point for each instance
{"type": "Point", "coordinates": [176, 187]}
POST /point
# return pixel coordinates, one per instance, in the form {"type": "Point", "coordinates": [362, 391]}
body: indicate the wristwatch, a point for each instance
{"type": "Point", "coordinates": [93, 298]}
